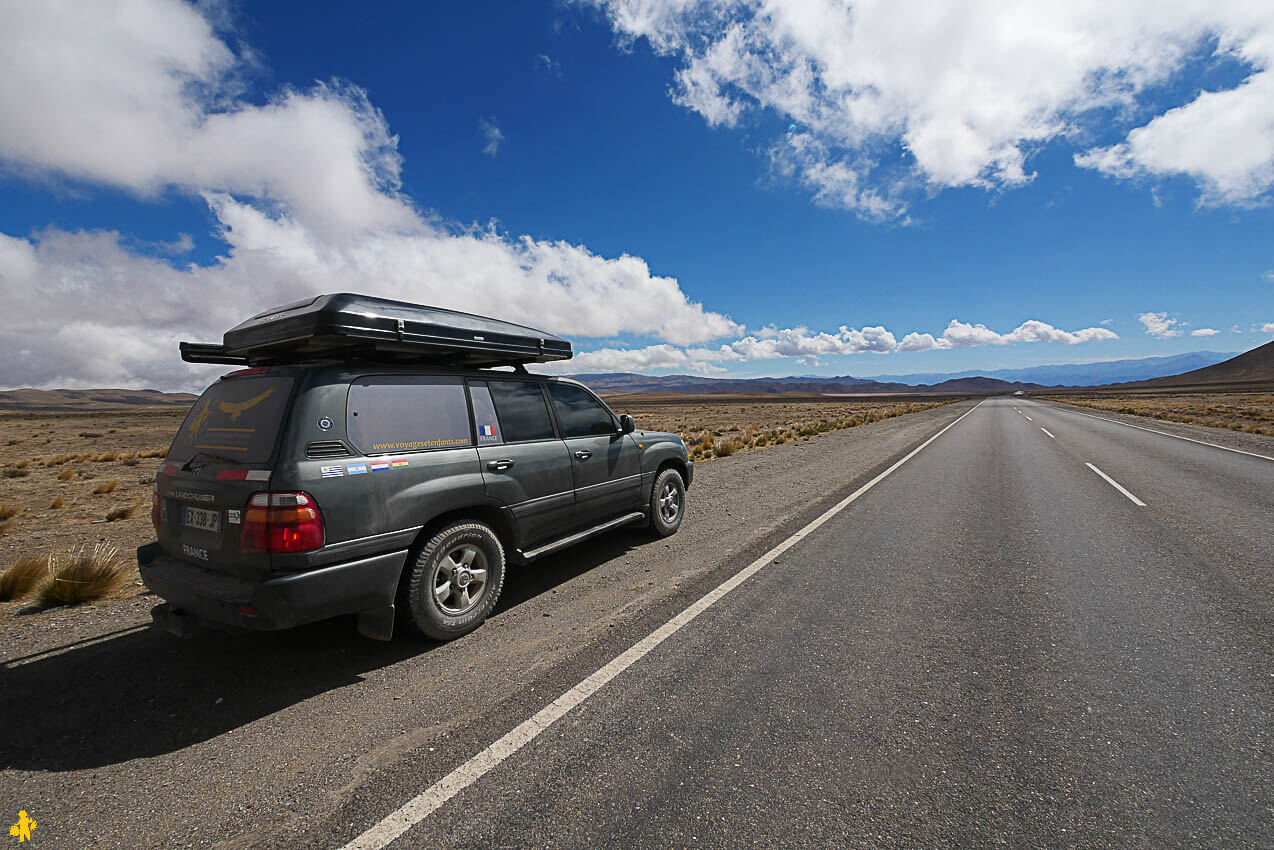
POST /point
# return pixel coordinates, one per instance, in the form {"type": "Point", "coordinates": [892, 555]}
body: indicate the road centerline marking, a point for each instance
{"type": "Point", "coordinates": [1113, 483]}
{"type": "Point", "coordinates": [1046, 431]}
{"type": "Point", "coordinates": [432, 798]}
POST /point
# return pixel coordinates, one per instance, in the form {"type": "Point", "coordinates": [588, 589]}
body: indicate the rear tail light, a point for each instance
{"type": "Point", "coordinates": [281, 523]}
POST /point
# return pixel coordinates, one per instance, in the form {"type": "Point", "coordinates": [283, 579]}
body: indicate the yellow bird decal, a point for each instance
{"type": "Point", "coordinates": [234, 409]}
{"type": "Point", "coordinates": [198, 422]}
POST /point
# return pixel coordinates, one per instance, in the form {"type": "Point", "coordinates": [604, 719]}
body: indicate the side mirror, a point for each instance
{"type": "Point", "coordinates": [626, 424]}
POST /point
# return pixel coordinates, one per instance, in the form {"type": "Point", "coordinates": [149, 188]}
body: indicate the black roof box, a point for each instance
{"type": "Point", "coordinates": [344, 326]}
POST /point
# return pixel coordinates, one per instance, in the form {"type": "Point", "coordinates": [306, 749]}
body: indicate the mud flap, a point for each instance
{"type": "Point", "coordinates": [175, 622]}
{"type": "Point", "coordinates": [377, 624]}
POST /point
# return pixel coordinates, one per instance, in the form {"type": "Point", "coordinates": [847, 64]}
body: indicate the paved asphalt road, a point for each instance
{"type": "Point", "coordinates": [994, 646]}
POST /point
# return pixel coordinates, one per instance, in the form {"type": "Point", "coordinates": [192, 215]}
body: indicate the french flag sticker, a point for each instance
{"type": "Point", "coordinates": [486, 430]}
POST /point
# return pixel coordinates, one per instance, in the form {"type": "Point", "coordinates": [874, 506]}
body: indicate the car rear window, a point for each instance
{"type": "Point", "coordinates": [484, 418]}
{"type": "Point", "coordinates": [523, 413]}
{"type": "Point", "coordinates": [236, 419]}
{"type": "Point", "coordinates": [407, 413]}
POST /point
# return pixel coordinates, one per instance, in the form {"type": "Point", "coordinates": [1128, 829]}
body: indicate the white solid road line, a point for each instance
{"type": "Point", "coordinates": [1046, 431]}
{"type": "Point", "coordinates": [428, 801]}
{"type": "Point", "coordinates": [1113, 483]}
{"type": "Point", "coordinates": [1068, 409]}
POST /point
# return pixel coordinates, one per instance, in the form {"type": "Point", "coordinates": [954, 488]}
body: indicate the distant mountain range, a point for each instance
{"type": "Point", "coordinates": [1081, 374]}
{"type": "Point", "coordinates": [1221, 371]}
{"type": "Point", "coordinates": [997, 380]}
{"type": "Point", "coordinates": [1249, 367]}
{"type": "Point", "coordinates": [29, 399]}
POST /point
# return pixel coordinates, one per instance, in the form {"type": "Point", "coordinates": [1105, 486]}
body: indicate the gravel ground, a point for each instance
{"type": "Point", "coordinates": [123, 736]}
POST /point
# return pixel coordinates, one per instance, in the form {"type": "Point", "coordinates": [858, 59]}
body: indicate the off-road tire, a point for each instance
{"type": "Point", "coordinates": [423, 613]}
{"type": "Point", "coordinates": [668, 482]}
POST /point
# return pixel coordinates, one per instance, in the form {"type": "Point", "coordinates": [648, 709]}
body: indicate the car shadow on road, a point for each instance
{"type": "Point", "coordinates": [146, 693]}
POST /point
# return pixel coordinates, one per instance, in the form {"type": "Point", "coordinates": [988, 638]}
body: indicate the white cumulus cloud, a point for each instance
{"type": "Point", "coordinates": [1204, 332]}
{"type": "Point", "coordinates": [1268, 328]}
{"type": "Point", "coordinates": [304, 190]}
{"type": "Point", "coordinates": [1159, 325]}
{"type": "Point", "coordinates": [960, 334]}
{"type": "Point", "coordinates": [892, 98]}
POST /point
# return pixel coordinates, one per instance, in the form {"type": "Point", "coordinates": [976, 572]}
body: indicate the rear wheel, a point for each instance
{"type": "Point", "coordinates": [667, 503]}
{"type": "Point", "coordinates": [454, 581]}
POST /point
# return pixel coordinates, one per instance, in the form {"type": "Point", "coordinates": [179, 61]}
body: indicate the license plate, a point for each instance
{"type": "Point", "coordinates": [202, 519]}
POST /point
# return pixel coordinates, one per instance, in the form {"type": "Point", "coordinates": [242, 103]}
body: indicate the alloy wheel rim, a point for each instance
{"type": "Point", "coordinates": [669, 503]}
{"type": "Point", "coordinates": [461, 580]}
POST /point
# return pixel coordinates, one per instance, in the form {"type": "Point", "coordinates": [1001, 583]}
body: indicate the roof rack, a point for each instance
{"type": "Point", "coordinates": [343, 327]}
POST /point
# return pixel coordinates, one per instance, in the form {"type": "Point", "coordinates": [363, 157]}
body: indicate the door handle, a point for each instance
{"type": "Point", "coordinates": [583, 454]}
{"type": "Point", "coordinates": [499, 465]}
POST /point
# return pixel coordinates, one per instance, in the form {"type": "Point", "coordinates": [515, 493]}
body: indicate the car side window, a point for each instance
{"type": "Point", "coordinates": [485, 421]}
{"type": "Point", "coordinates": [522, 411]}
{"type": "Point", "coordinates": [579, 413]}
{"type": "Point", "coordinates": [406, 413]}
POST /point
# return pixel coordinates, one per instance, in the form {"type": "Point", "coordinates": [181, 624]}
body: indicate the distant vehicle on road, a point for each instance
{"type": "Point", "coordinates": [368, 459]}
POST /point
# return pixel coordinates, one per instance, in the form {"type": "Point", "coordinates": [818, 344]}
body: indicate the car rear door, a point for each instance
{"type": "Point", "coordinates": [222, 454]}
{"type": "Point", "coordinates": [605, 462]}
{"type": "Point", "coordinates": [525, 466]}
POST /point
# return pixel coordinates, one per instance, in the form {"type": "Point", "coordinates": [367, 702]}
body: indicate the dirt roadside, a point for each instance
{"type": "Point", "coordinates": [137, 739]}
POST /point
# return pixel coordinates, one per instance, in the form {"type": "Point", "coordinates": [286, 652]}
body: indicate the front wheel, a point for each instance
{"type": "Point", "coordinates": [667, 503]}
{"type": "Point", "coordinates": [454, 581]}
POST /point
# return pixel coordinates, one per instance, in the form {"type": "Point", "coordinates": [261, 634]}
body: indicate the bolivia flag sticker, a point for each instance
{"type": "Point", "coordinates": [398, 463]}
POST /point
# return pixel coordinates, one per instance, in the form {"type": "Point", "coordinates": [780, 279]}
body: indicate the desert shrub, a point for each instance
{"type": "Point", "coordinates": [725, 448]}
{"type": "Point", "coordinates": [8, 510]}
{"type": "Point", "coordinates": [153, 453]}
{"type": "Point", "coordinates": [132, 461]}
{"type": "Point", "coordinates": [106, 457]}
{"type": "Point", "coordinates": [58, 460]}
{"type": "Point", "coordinates": [22, 577]}
{"type": "Point", "coordinates": [16, 472]}
{"type": "Point", "coordinates": [66, 474]}
{"type": "Point", "coordinates": [14, 442]}
{"type": "Point", "coordinates": [57, 502]}
{"type": "Point", "coordinates": [83, 574]}
{"type": "Point", "coordinates": [105, 487]}
{"type": "Point", "coordinates": [122, 512]}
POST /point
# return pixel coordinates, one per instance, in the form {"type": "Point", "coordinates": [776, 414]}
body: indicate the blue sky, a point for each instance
{"type": "Point", "coordinates": [517, 151]}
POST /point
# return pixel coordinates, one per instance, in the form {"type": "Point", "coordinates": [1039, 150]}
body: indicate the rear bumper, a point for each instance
{"type": "Point", "coordinates": [279, 602]}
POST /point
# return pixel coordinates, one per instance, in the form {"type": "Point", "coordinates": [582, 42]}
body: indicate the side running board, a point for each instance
{"type": "Point", "coordinates": [549, 548]}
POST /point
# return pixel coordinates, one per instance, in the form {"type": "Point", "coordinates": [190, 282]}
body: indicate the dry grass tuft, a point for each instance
{"type": "Point", "coordinates": [22, 577]}
{"type": "Point", "coordinates": [106, 457]}
{"type": "Point", "coordinates": [6, 526]}
{"type": "Point", "coordinates": [154, 453]}
{"type": "Point", "coordinates": [119, 513]}
{"type": "Point", "coordinates": [105, 487]}
{"type": "Point", "coordinates": [57, 502]}
{"type": "Point", "coordinates": [17, 470]}
{"type": "Point", "coordinates": [58, 460]}
{"type": "Point", "coordinates": [83, 575]}
{"type": "Point", "coordinates": [66, 474]}
{"type": "Point", "coordinates": [8, 510]}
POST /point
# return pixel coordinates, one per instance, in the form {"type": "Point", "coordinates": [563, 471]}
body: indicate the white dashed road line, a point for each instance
{"type": "Point", "coordinates": [432, 798]}
{"type": "Point", "coordinates": [1113, 483]}
{"type": "Point", "coordinates": [1046, 431]}
{"type": "Point", "coordinates": [1166, 434]}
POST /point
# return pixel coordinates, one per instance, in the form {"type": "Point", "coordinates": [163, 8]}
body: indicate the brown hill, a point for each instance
{"type": "Point", "coordinates": [1253, 368]}
{"type": "Point", "coordinates": [29, 399]}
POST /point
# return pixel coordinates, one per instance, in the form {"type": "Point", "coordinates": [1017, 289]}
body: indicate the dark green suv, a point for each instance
{"type": "Point", "coordinates": [300, 491]}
